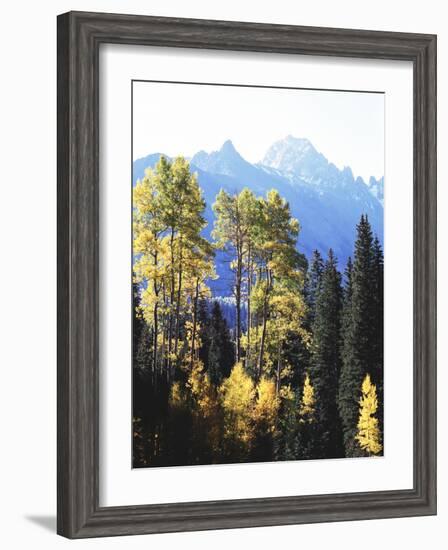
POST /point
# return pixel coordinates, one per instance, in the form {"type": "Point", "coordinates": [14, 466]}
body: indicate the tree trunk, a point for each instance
{"type": "Point", "coordinates": [238, 302]}
{"type": "Point", "coordinates": [249, 288]}
{"type": "Point", "coordinates": [170, 328]}
{"type": "Point", "coordinates": [265, 318]}
{"type": "Point", "coordinates": [156, 332]}
{"type": "Point", "coordinates": [163, 353]}
{"type": "Point", "coordinates": [195, 316]}
{"type": "Point", "coordinates": [179, 289]}
{"type": "Point", "coordinates": [156, 320]}
{"type": "Point", "coordinates": [279, 366]}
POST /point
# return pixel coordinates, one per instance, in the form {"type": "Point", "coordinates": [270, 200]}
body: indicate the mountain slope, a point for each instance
{"type": "Point", "coordinates": [376, 187]}
{"type": "Point", "coordinates": [328, 202]}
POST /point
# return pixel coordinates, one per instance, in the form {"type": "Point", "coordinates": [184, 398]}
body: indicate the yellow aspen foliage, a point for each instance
{"type": "Point", "coordinates": [266, 405]}
{"type": "Point", "coordinates": [177, 397]}
{"type": "Point", "coordinates": [308, 401]}
{"type": "Point", "coordinates": [368, 435]}
{"type": "Point", "coordinates": [237, 394]}
{"type": "Point", "coordinates": [207, 412]}
{"type": "Point", "coordinates": [286, 393]}
{"type": "Point", "coordinates": [201, 389]}
{"type": "Point", "coordinates": [172, 261]}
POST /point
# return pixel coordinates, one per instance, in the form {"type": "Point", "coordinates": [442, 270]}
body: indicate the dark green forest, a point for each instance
{"type": "Point", "coordinates": [298, 371]}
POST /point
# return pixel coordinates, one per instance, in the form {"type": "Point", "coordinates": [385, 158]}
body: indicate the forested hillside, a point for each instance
{"type": "Point", "coordinates": [297, 373]}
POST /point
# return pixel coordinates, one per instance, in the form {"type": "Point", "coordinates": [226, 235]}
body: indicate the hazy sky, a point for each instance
{"type": "Point", "coordinates": [347, 127]}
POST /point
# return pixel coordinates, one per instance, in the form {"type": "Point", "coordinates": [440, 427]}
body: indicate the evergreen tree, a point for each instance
{"type": "Point", "coordinates": [285, 444]}
{"type": "Point", "coordinates": [137, 318]}
{"type": "Point", "coordinates": [325, 360]}
{"type": "Point", "coordinates": [359, 333]}
{"type": "Point", "coordinates": [221, 352]}
{"type": "Point", "coordinates": [143, 355]}
{"type": "Point", "coordinates": [297, 349]}
{"type": "Point", "coordinates": [150, 403]}
{"type": "Point", "coordinates": [346, 319]}
{"type": "Point", "coordinates": [313, 282]}
{"type": "Point", "coordinates": [179, 429]}
{"type": "Point", "coordinates": [378, 325]}
{"type": "Point", "coordinates": [204, 336]}
{"type": "Point", "coordinates": [264, 419]}
{"type": "Point", "coordinates": [142, 386]}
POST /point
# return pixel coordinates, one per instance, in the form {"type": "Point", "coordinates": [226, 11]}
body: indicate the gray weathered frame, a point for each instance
{"type": "Point", "coordinates": [79, 37]}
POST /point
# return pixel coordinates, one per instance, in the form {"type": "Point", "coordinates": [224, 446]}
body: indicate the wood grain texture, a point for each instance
{"type": "Point", "coordinates": [79, 37]}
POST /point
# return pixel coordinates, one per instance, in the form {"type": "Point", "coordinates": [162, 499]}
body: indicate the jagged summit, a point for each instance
{"type": "Point", "coordinates": [226, 161]}
{"type": "Point", "coordinates": [295, 157]}
{"type": "Point", "coordinates": [376, 187]}
{"type": "Point", "coordinates": [298, 142]}
{"type": "Point", "coordinates": [228, 148]}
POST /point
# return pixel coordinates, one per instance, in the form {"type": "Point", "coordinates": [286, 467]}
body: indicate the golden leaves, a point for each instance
{"type": "Point", "coordinates": [308, 401]}
{"type": "Point", "coordinates": [368, 435]}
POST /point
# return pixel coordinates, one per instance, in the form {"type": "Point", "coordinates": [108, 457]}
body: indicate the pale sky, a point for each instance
{"type": "Point", "coordinates": [182, 119]}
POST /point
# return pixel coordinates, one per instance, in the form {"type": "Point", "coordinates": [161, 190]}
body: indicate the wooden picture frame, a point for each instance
{"type": "Point", "coordinates": [79, 37]}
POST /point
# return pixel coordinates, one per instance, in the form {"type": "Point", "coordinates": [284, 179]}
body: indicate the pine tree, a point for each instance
{"type": "Point", "coordinates": [360, 338]}
{"type": "Point", "coordinates": [325, 360]}
{"type": "Point", "coordinates": [179, 426]}
{"type": "Point", "coordinates": [313, 279]}
{"type": "Point", "coordinates": [137, 318]}
{"type": "Point", "coordinates": [285, 442]}
{"type": "Point", "coordinates": [347, 311]}
{"type": "Point", "coordinates": [204, 336]}
{"type": "Point", "coordinates": [149, 402]}
{"type": "Point", "coordinates": [368, 436]}
{"type": "Point", "coordinates": [264, 419]}
{"type": "Point", "coordinates": [378, 325]}
{"type": "Point", "coordinates": [297, 350]}
{"type": "Point", "coordinates": [221, 352]}
{"type": "Point", "coordinates": [143, 384]}
{"type": "Point", "coordinates": [143, 355]}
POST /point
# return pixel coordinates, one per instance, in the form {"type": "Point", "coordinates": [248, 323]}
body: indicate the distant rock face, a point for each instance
{"type": "Point", "coordinates": [224, 161]}
{"type": "Point", "coordinates": [328, 202]}
{"type": "Point", "coordinates": [296, 158]}
{"type": "Point", "coordinates": [376, 187]}
{"type": "Point", "coordinates": [228, 162]}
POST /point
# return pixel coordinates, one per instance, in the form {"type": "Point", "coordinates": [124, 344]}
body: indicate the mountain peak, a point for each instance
{"type": "Point", "coordinates": [295, 156]}
{"type": "Point", "coordinates": [228, 147]}
{"type": "Point", "coordinates": [225, 161]}
{"type": "Point", "coordinates": [298, 143]}
{"type": "Point", "coordinates": [376, 187]}
{"type": "Point", "coordinates": [347, 172]}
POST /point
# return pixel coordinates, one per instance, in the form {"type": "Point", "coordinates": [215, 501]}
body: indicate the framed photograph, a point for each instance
{"type": "Point", "coordinates": [246, 274]}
